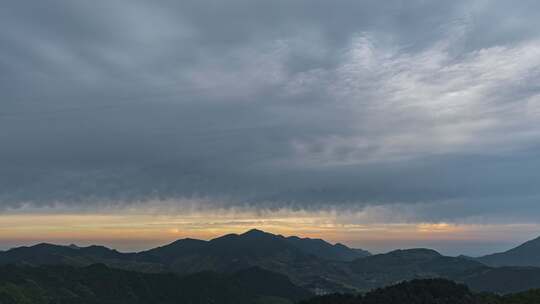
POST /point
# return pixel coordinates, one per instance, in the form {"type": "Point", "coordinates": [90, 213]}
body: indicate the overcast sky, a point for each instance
{"type": "Point", "coordinates": [426, 110]}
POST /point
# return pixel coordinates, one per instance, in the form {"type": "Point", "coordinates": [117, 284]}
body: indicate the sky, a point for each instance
{"type": "Point", "coordinates": [379, 124]}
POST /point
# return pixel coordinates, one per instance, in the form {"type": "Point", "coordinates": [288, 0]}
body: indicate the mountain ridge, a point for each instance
{"type": "Point", "coordinates": [526, 254]}
{"type": "Point", "coordinates": [308, 263]}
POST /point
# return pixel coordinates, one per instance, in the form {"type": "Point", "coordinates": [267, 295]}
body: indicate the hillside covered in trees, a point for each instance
{"type": "Point", "coordinates": [429, 291]}
{"type": "Point", "coordinates": [99, 284]}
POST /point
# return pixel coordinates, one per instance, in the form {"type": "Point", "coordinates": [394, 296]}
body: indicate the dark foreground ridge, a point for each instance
{"type": "Point", "coordinates": [99, 284]}
{"type": "Point", "coordinates": [431, 291]}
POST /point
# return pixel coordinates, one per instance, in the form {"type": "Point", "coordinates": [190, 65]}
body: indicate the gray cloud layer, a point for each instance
{"type": "Point", "coordinates": [302, 104]}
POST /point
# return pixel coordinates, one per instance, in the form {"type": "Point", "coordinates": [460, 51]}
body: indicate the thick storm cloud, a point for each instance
{"type": "Point", "coordinates": [272, 104]}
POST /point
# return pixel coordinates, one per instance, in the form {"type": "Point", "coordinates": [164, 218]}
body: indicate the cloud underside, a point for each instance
{"type": "Point", "coordinates": [119, 104]}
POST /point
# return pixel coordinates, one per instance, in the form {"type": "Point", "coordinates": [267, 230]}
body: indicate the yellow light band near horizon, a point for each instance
{"type": "Point", "coordinates": [142, 231]}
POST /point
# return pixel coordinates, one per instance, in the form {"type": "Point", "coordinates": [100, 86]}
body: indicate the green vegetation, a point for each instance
{"type": "Point", "coordinates": [98, 284]}
{"type": "Point", "coordinates": [430, 291]}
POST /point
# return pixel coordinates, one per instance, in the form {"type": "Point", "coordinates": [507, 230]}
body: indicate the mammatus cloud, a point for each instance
{"type": "Point", "coordinates": [116, 104]}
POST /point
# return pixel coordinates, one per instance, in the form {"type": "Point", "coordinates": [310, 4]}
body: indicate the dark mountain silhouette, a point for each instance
{"type": "Point", "coordinates": [527, 254]}
{"type": "Point", "coordinates": [325, 250]}
{"type": "Point", "coordinates": [254, 243]}
{"type": "Point", "coordinates": [384, 269]}
{"type": "Point", "coordinates": [52, 254]}
{"type": "Point", "coordinates": [309, 263]}
{"type": "Point", "coordinates": [234, 252]}
{"type": "Point", "coordinates": [49, 254]}
{"type": "Point", "coordinates": [416, 263]}
{"type": "Point", "coordinates": [257, 243]}
{"type": "Point", "coordinates": [168, 253]}
{"type": "Point", "coordinates": [228, 253]}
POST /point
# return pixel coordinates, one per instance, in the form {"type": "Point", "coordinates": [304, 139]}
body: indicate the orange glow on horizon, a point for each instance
{"type": "Point", "coordinates": [142, 231]}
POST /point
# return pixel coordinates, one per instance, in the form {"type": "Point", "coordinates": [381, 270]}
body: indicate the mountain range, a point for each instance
{"type": "Point", "coordinates": [310, 264]}
{"type": "Point", "coordinates": [527, 254]}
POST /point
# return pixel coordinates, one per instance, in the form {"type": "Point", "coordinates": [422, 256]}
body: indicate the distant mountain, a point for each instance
{"type": "Point", "coordinates": [310, 263]}
{"type": "Point", "coordinates": [527, 254]}
{"type": "Point", "coordinates": [99, 284]}
{"type": "Point", "coordinates": [234, 252]}
{"type": "Point", "coordinates": [396, 266]}
{"type": "Point", "coordinates": [258, 243]}
{"type": "Point", "coordinates": [251, 245]}
{"type": "Point", "coordinates": [416, 262]}
{"type": "Point", "coordinates": [175, 249]}
{"type": "Point", "coordinates": [325, 250]}
{"type": "Point", "coordinates": [307, 262]}
{"type": "Point", "coordinates": [50, 254]}
{"type": "Point", "coordinates": [390, 268]}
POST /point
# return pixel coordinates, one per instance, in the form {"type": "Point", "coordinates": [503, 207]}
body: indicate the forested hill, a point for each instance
{"type": "Point", "coordinates": [99, 284]}
{"type": "Point", "coordinates": [527, 254]}
{"type": "Point", "coordinates": [430, 291]}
